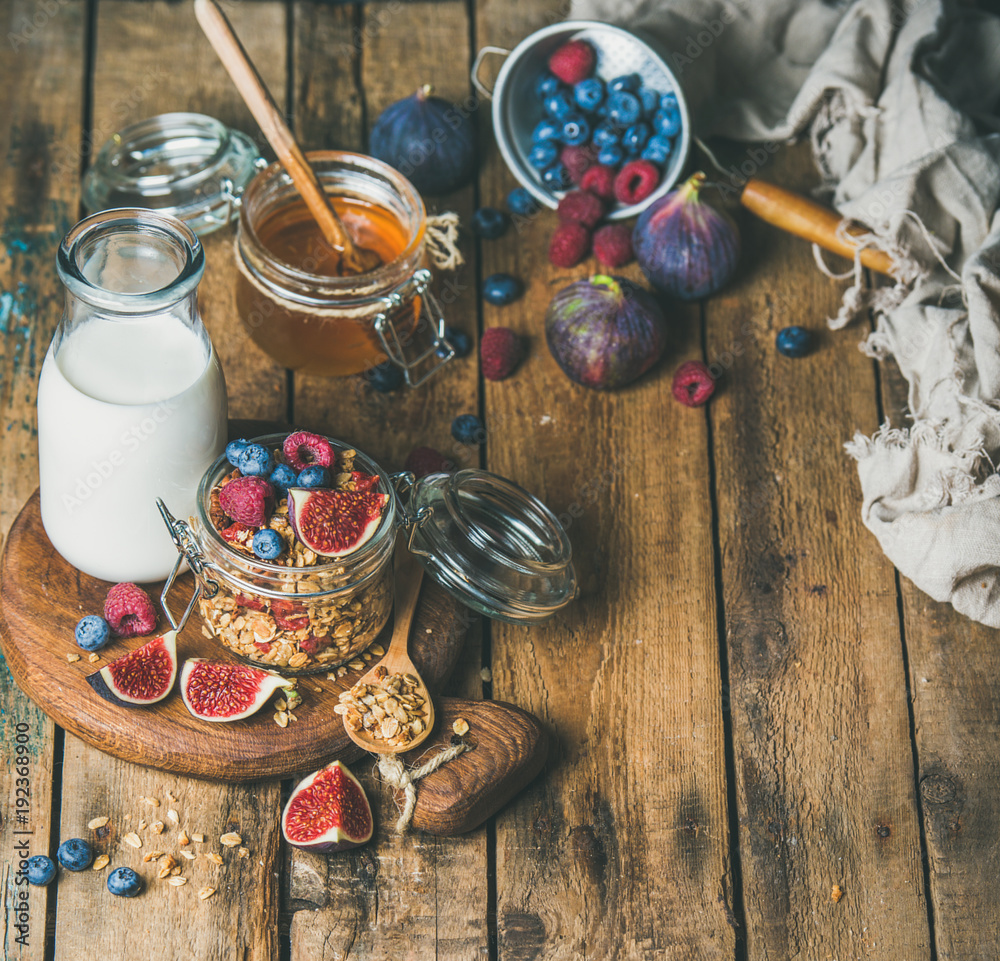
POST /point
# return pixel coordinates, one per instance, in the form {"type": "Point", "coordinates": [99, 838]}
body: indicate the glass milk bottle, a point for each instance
{"type": "Point", "coordinates": [131, 398]}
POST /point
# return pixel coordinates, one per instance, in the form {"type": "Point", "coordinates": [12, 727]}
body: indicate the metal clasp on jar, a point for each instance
{"type": "Point", "coordinates": [430, 312]}
{"type": "Point", "coordinates": [231, 197]}
{"type": "Point", "coordinates": [410, 520]}
{"type": "Point", "coordinates": [187, 550]}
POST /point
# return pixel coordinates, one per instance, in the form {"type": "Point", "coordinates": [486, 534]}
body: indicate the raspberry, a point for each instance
{"type": "Point", "coordinates": [426, 460]}
{"type": "Point", "coordinates": [573, 61]}
{"type": "Point", "coordinates": [569, 244]}
{"type": "Point", "coordinates": [599, 180]}
{"type": "Point", "coordinates": [580, 207]}
{"type": "Point", "coordinates": [248, 500]}
{"type": "Point", "coordinates": [303, 449]}
{"type": "Point", "coordinates": [499, 352]}
{"type": "Point", "coordinates": [693, 383]}
{"type": "Point", "coordinates": [129, 611]}
{"type": "Point", "coordinates": [613, 245]}
{"type": "Point", "coordinates": [636, 181]}
{"type": "Point", "coordinates": [578, 160]}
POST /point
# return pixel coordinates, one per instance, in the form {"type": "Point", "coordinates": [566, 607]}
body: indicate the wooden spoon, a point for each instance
{"type": "Point", "coordinates": [409, 575]}
{"type": "Point", "coordinates": [354, 259]}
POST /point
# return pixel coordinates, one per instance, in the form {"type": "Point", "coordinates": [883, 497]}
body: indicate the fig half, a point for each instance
{"type": "Point", "coordinates": [143, 676]}
{"type": "Point", "coordinates": [327, 812]}
{"type": "Point", "coordinates": [223, 691]}
{"type": "Point", "coordinates": [333, 523]}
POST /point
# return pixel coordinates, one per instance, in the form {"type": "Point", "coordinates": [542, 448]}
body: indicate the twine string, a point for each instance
{"type": "Point", "coordinates": [442, 241]}
{"type": "Point", "coordinates": [394, 772]}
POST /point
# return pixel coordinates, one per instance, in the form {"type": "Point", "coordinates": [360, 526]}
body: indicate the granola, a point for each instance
{"type": "Point", "coordinates": [389, 711]}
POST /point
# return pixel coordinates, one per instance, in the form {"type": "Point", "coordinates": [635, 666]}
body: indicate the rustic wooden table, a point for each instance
{"type": "Point", "coordinates": [749, 706]}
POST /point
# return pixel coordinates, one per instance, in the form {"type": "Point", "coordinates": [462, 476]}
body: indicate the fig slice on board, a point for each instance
{"type": "Point", "coordinates": [143, 676]}
{"type": "Point", "coordinates": [223, 691]}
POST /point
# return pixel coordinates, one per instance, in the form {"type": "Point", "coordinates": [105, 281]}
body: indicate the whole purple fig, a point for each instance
{"type": "Point", "coordinates": [429, 141]}
{"type": "Point", "coordinates": [684, 246]}
{"type": "Point", "coordinates": [605, 332]}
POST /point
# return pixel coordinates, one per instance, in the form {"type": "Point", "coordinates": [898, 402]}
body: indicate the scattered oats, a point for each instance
{"type": "Point", "coordinates": [332, 676]}
{"type": "Point", "coordinates": [156, 827]}
{"type": "Point", "coordinates": [175, 871]}
{"type": "Point", "coordinates": [151, 801]}
{"type": "Point", "coordinates": [216, 858]}
{"type": "Point", "coordinates": [356, 665]}
{"type": "Point", "coordinates": [836, 894]}
{"type": "Point", "coordinates": [294, 700]}
{"type": "Point", "coordinates": [128, 817]}
{"type": "Point", "coordinates": [365, 656]}
{"type": "Point", "coordinates": [93, 658]}
{"type": "Point", "coordinates": [97, 823]}
{"type": "Point", "coordinates": [177, 881]}
{"type": "Point", "coordinates": [427, 630]}
{"type": "Point", "coordinates": [317, 689]}
{"type": "Point", "coordinates": [142, 824]}
{"type": "Point", "coordinates": [133, 839]}
{"type": "Point", "coordinates": [377, 649]}
{"type": "Point", "coordinates": [292, 717]}
{"type": "Point", "coordinates": [183, 838]}
{"type": "Point", "coordinates": [486, 674]}
{"type": "Point", "coordinates": [461, 726]}
{"type": "Point", "coordinates": [198, 837]}
{"type": "Point", "coordinates": [231, 839]}
{"type": "Point", "coordinates": [189, 855]}
{"type": "Point", "coordinates": [342, 671]}
{"type": "Point", "coordinates": [166, 866]}
{"type": "Point", "coordinates": [101, 861]}
{"type": "Point", "coordinates": [243, 853]}
{"type": "Point", "coordinates": [205, 893]}
{"type": "Point", "coordinates": [72, 658]}
{"type": "Point", "coordinates": [152, 856]}
{"type": "Point", "coordinates": [170, 798]}
{"type": "Point", "coordinates": [281, 719]}
{"type": "Point", "coordinates": [173, 817]}
{"type": "Point", "coordinates": [281, 704]}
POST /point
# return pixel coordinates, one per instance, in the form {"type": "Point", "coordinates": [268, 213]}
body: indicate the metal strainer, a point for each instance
{"type": "Point", "coordinates": [516, 110]}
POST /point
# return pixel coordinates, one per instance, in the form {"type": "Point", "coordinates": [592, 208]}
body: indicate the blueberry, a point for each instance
{"type": "Point", "coordinates": [282, 477]}
{"type": "Point", "coordinates": [459, 341]}
{"type": "Point", "coordinates": [92, 632]}
{"type": "Point", "coordinates": [657, 150]}
{"type": "Point", "coordinates": [255, 461]}
{"type": "Point", "coordinates": [545, 130]}
{"type": "Point", "coordinates": [385, 378]}
{"type": "Point", "coordinates": [489, 222]}
{"type": "Point", "coordinates": [75, 854]}
{"type": "Point", "coordinates": [546, 85]}
{"type": "Point", "coordinates": [501, 289]}
{"type": "Point", "coordinates": [611, 156]}
{"type": "Point", "coordinates": [575, 131]}
{"type": "Point", "coordinates": [668, 101]}
{"type": "Point", "coordinates": [234, 451]}
{"type": "Point", "coordinates": [543, 155]}
{"type": "Point", "coordinates": [556, 177]}
{"type": "Point", "coordinates": [559, 105]}
{"type": "Point", "coordinates": [623, 108]}
{"type": "Point", "coordinates": [267, 544]}
{"type": "Point", "coordinates": [41, 870]}
{"type": "Point", "coordinates": [635, 138]}
{"type": "Point", "coordinates": [649, 100]}
{"type": "Point", "coordinates": [588, 94]}
{"type": "Point", "coordinates": [606, 136]}
{"type": "Point", "coordinates": [629, 82]}
{"type": "Point", "coordinates": [522, 202]}
{"type": "Point", "coordinates": [468, 429]}
{"type": "Point", "coordinates": [794, 341]}
{"type": "Point", "coordinates": [667, 122]}
{"type": "Point", "coordinates": [124, 883]}
{"type": "Point", "coordinates": [315, 475]}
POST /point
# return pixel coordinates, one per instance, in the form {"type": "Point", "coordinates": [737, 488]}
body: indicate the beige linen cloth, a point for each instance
{"type": "Point", "coordinates": [902, 104]}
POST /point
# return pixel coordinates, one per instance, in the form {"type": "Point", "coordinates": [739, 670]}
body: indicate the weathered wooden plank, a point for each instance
{"type": "Point", "coordinates": [42, 72]}
{"type": "Point", "coordinates": [952, 664]}
{"type": "Point", "coordinates": [621, 849]}
{"type": "Point", "coordinates": [408, 896]}
{"type": "Point", "coordinates": [823, 756]}
{"type": "Point", "coordinates": [168, 65]}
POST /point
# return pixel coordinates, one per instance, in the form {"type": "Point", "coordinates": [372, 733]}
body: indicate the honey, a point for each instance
{"type": "Point", "coordinates": [292, 295]}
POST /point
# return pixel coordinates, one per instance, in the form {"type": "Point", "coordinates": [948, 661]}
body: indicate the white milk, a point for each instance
{"type": "Point", "coordinates": [131, 410]}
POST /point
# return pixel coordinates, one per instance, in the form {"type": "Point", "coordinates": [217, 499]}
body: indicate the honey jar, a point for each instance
{"type": "Point", "coordinates": [293, 297]}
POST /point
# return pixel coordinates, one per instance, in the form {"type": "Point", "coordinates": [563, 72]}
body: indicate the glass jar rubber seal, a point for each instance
{"type": "Point", "coordinates": [187, 165]}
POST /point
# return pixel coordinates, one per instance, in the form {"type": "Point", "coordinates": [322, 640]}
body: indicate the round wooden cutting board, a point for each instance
{"type": "Point", "coordinates": [41, 599]}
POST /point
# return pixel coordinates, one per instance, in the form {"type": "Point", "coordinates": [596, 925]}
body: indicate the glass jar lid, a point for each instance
{"type": "Point", "coordinates": [492, 545]}
{"type": "Point", "coordinates": [184, 164]}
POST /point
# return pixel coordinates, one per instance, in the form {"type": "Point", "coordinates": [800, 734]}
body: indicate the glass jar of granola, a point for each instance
{"type": "Point", "coordinates": [484, 539]}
